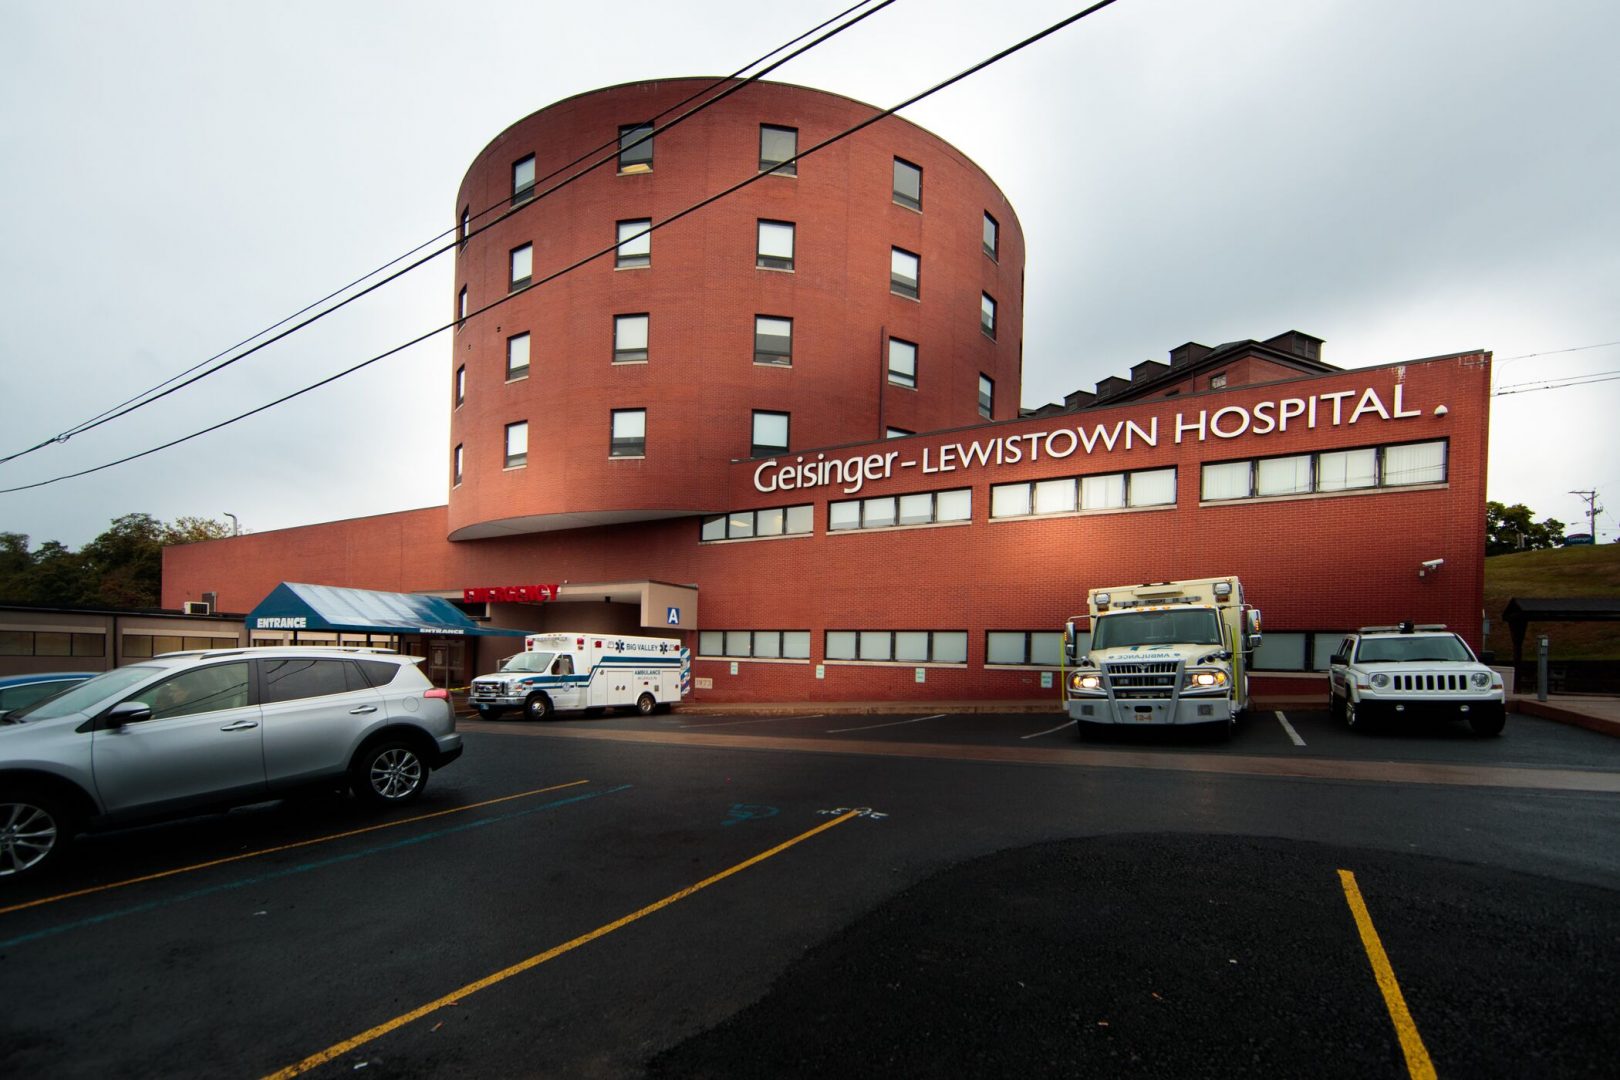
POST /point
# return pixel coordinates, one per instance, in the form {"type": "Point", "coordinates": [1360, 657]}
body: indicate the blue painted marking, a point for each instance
{"type": "Point", "coordinates": [242, 883]}
{"type": "Point", "coordinates": [748, 812]}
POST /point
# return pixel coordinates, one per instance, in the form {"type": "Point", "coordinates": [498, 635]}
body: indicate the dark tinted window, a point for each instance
{"type": "Point", "coordinates": [378, 672]}
{"type": "Point", "coordinates": [301, 677]}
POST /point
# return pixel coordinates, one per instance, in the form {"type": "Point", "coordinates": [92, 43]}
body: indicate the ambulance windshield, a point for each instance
{"type": "Point", "coordinates": [528, 661]}
{"type": "Point", "coordinates": [1122, 629]}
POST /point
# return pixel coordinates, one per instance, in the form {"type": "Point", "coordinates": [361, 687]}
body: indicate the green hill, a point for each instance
{"type": "Point", "coordinates": [1558, 572]}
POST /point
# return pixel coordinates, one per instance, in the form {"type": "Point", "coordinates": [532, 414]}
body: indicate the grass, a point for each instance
{"type": "Point", "coordinates": [1559, 572]}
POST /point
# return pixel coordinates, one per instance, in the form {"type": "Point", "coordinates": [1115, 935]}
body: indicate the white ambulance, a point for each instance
{"type": "Point", "coordinates": [1167, 652]}
{"type": "Point", "coordinates": [568, 672]}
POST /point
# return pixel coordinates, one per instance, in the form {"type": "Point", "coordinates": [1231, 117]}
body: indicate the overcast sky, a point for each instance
{"type": "Point", "coordinates": [1402, 178]}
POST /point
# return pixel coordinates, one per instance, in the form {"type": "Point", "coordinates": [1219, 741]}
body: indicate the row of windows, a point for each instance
{"type": "Point", "coordinates": [751, 524]}
{"type": "Point", "coordinates": [1010, 647]}
{"type": "Point", "coordinates": [773, 250]}
{"type": "Point", "coordinates": [778, 146]}
{"type": "Point", "coordinates": [1308, 651]}
{"type": "Point", "coordinates": [1329, 471]}
{"type": "Point", "coordinates": [891, 511]}
{"type": "Point", "coordinates": [1109, 491]}
{"type": "Point", "coordinates": [52, 643]}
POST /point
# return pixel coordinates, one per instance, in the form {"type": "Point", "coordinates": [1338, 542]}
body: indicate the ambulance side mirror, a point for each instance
{"type": "Point", "coordinates": [1251, 624]}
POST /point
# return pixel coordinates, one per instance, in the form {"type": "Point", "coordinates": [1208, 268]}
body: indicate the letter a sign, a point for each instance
{"type": "Point", "coordinates": [674, 617]}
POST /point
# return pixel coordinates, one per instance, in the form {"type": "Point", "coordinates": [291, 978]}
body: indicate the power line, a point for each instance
{"type": "Point", "coordinates": [1555, 352]}
{"type": "Point", "coordinates": [677, 216]}
{"type": "Point", "coordinates": [1557, 384]}
{"type": "Point", "coordinates": [157, 393]}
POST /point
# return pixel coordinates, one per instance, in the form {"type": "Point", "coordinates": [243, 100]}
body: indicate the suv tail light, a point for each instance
{"type": "Point", "coordinates": [437, 692]}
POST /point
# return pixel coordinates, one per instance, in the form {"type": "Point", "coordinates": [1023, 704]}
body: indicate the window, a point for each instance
{"type": "Point", "coordinates": [773, 340]}
{"type": "Point", "coordinates": [636, 158]}
{"type": "Point", "coordinates": [987, 396]}
{"type": "Point", "coordinates": [904, 268]}
{"type": "Point", "coordinates": [1109, 491]}
{"type": "Point", "coordinates": [141, 646]}
{"type": "Point", "coordinates": [1400, 465]}
{"type": "Point", "coordinates": [1283, 476]}
{"type": "Point", "coordinates": [992, 236]}
{"type": "Point", "coordinates": [754, 524]}
{"type": "Point", "coordinates": [461, 384]}
{"type": "Point", "coordinates": [61, 643]}
{"type": "Point", "coordinates": [907, 184]}
{"type": "Point", "coordinates": [1217, 381]}
{"type": "Point", "coordinates": [770, 434]}
{"type": "Point", "coordinates": [987, 314]}
{"type": "Point", "coordinates": [887, 511]}
{"type": "Point", "coordinates": [635, 244]}
{"type": "Point", "coordinates": [896, 433]}
{"type": "Point", "coordinates": [630, 338]}
{"type": "Point", "coordinates": [461, 306]}
{"type": "Point", "coordinates": [755, 644]}
{"type": "Point", "coordinates": [466, 224]}
{"type": "Point", "coordinates": [517, 444]}
{"type": "Point", "coordinates": [1415, 463]}
{"type": "Point", "coordinates": [522, 266]}
{"type": "Point", "coordinates": [522, 181]}
{"type": "Point", "coordinates": [517, 356]}
{"type": "Point", "coordinates": [455, 466]}
{"type": "Point", "coordinates": [1310, 651]}
{"type": "Point", "coordinates": [902, 363]}
{"type": "Point", "coordinates": [901, 646]}
{"type": "Point", "coordinates": [1028, 648]}
{"type": "Point", "coordinates": [203, 689]}
{"type": "Point", "coordinates": [777, 145]}
{"type": "Point", "coordinates": [775, 250]}
{"type": "Point", "coordinates": [295, 678]}
{"type": "Point", "coordinates": [629, 437]}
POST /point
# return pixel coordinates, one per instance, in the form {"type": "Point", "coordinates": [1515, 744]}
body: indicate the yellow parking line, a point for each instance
{"type": "Point", "coordinates": [339, 1049]}
{"type": "Point", "coordinates": [283, 847]}
{"type": "Point", "coordinates": [1417, 1057]}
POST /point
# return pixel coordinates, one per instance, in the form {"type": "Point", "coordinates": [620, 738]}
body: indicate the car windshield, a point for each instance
{"type": "Point", "coordinates": [1408, 649]}
{"type": "Point", "coordinates": [88, 693]}
{"type": "Point", "coordinates": [528, 661]}
{"type": "Point", "coordinates": [1119, 629]}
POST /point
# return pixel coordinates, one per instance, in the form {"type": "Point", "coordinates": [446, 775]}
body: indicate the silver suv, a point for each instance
{"type": "Point", "coordinates": [226, 727]}
{"type": "Point", "coordinates": [1406, 671]}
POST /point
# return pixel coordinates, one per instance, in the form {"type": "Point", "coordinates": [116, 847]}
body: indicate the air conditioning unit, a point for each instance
{"type": "Point", "coordinates": [197, 607]}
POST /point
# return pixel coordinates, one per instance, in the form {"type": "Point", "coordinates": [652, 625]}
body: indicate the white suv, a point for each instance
{"type": "Point", "coordinates": [1405, 671]}
{"type": "Point", "coordinates": [228, 727]}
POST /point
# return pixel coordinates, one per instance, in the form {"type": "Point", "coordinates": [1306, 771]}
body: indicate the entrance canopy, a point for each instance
{"type": "Point", "coordinates": [292, 606]}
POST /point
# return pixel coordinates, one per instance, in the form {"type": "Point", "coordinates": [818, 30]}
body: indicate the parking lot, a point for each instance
{"type": "Point", "coordinates": [692, 894]}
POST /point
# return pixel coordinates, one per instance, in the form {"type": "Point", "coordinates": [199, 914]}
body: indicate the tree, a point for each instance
{"type": "Point", "coordinates": [121, 568]}
{"type": "Point", "coordinates": [1510, 528]}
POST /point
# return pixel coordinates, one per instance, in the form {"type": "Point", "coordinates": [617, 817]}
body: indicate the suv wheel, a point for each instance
{"type": "Point", "coordinates": [538, 707]}
{"type": "Point", "coordinates": [1354, 718]}
{"type": "Point", "coordinates": [34, 827]}
{"type": "Point", "coordinates": [1488, 723]}
{"type": "Point", "coordinates": [389, 773]}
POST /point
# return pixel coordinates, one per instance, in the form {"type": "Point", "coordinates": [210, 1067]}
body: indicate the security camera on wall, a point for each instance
{"type": "Point", "coordinates": [1430, 566]}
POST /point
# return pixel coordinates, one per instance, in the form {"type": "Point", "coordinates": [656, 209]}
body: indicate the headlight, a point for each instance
{"type": "Point", "coordinates": [1482, 679]}
{"type": "Point", "coordinates": [1085, 681]}
{"type": "Point", "coordinates": [1380, 680]}
{"type": "Point", "coordinates": [1203, 680]}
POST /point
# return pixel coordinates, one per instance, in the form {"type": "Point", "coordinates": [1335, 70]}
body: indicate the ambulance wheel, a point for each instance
{"type": "Point", "coordinates": [538, 707]}
{"type": "Point", "coordinates": [645, 704]}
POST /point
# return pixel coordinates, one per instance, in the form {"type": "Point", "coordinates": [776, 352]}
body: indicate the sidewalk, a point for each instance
{"type": "Point", "coordinates": [1592, 712]}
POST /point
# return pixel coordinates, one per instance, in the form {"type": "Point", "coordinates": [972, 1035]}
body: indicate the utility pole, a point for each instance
{"type": "Point", "coordinates": [1592, 511]}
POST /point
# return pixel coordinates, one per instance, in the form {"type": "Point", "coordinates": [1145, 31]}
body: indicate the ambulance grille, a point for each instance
{"type": "Point", "coordinates": [1136, 679]}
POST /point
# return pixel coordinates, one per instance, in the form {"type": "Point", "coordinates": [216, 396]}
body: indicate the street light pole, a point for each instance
{"type": "Point", "coordinates": [236, 529]}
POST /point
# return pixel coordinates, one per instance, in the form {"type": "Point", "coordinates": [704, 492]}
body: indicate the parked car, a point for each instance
{"type": "Point", "coordinates": [228, 727]}
{"type": "Point", "coordinates": [1410, 672]}
{"type": "Point", "coordinates": [19, 690]}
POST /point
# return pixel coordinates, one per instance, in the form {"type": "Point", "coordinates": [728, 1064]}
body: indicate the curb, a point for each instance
{"type": "Point", "coordinates": [1575, 718]}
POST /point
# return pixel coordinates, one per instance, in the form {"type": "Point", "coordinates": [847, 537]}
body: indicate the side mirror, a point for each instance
{"type": "Point", "coordinates": [128, 712]}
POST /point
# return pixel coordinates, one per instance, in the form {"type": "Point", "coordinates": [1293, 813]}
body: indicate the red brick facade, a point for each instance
{"type": "Point", "coordinates": [1317, 563]}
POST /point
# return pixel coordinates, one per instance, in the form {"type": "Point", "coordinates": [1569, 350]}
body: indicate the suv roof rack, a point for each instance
{"type": "Point", "coordinates": [1401, 628]}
